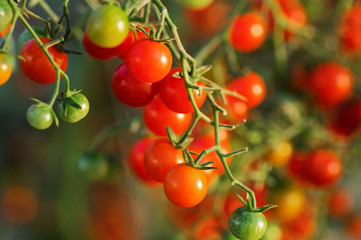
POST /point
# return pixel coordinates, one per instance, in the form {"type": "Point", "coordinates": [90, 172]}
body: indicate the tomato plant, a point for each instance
{"type": "Point", "coordinates": [73, 108]}
{"type": "Point", "coordinates": [37, 66]}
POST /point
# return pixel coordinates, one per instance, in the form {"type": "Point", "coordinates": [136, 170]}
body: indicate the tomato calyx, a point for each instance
{"type": "Point", "coordinates": [195, 163]}
{"type": "Point", "coordinates": [68, 100]}
{"type": "Point", "coordinates": [250, 206]}
{"type": "Point", "coordinates": [73, 107]}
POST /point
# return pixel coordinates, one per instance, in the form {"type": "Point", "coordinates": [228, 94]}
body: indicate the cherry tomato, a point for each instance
{"type": "Point", "coordinates": [251, 86]}
{"type": "Point", "coordinates": [353, 226]}
{"type": "Point", "coordinates": [247, 225]}
{"type": "Point", "coordinates": [124, 48]}
{"type": "Point", "coordinates": [37, 66]}
{"type": "Point", "coordinates": [281, 154]}
{"type": "Point", "coordinates": [132, 92]}
{"type": "Point", "coordinates": [174, 94]}
{"type": "Point", "coordinates": [39, 116]}
{"type": "Point", "coordinates": [92, 165]}
{"type": "Point", "coordinates": [108, 26]}
{"type": "Point", "coordinates": [247, 32]}
{"type": "Point", "coordinates": [26, 36]}
{"type": "Point", "coordinates": [136, 163]}
{"type": "Point", "coordinates": [5, 31]}
{"type": "Point", "coordinates": [340, 203]}
{"type": "Point", "coordinates": [148, 61]}
{"type": "Point", "coordinates": [237, 111]}
{"type": "Point", "coordinates": [208, 228]}
{"type": "Point", "coordinates": [70, 112]}
{"type": "Point", "coordinates": [274, 232]}
{"type": "Point", "coordinates": [303, 226]}
{"type": "Point", "coordinates": [93, 50]}
{"type": "Point", "coordinates": [159, 157]}
{"type": "Point", "coordinates": [297, 166]}
{"type": "Point", "coordinates": [185, 186]}
{"type": "Point", "coordinates": [6, 15]}
{"type": "Point", "coordinates": [350, 33]}
{"type": "Point", "coordinates": [157, 116]}
{"type": "Point", "coordinates": [296, 17]}
{"type": "Point", "coordinates": [330, 83]}
{"type": "Point", "coordinates": [5, 69]}
{"type": "Point", "coordinates": [196, 4]}
{"type": "Point", "coordinates": [324, 168]}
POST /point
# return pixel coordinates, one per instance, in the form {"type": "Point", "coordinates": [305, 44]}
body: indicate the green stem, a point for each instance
{"type": "Point", "coordinates": [137, 5]}
{"type": "Point", "coordinates": [53, 16]}
{"type": "Point", "coordinates": [66, 15]}
{"type": "Point", "coordinates": [189, 130]}
{"type": "Point", "coordinates": [208, 48]}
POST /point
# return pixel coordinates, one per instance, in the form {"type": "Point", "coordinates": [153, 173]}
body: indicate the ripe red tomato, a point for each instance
{"type": "Point", "coordinates": [296, 17]}
{"type": "Point", "coordinates": [148, 61]}
{"type": "Point", "coordinates": [157, 116]}
{"type": "Point", "coordinates": [37, 66]}
{"type": "Point", "coordinates": [93, 50]}
{"type": "Point", "coordinates": [132, 92]}
{"type": "Point", "coordinates": [136, 163]}
{"type": "Point", "coordinates": [251, 86]}
{"type": "Point", "coordinates": [330, 83]}
{"type": "Point", "coordinates": [350, 33]}
{"type": "Point", "coordinates": [247, 32]}
{"type": "Point", "coordinates": [297, 166]}
{"type": "Point", "coordinates": [324, 168]}
{"type": "Point", "coordinates": [340, 203]}
{"type": "Point", "coordinates": [159, 157]}
{"type": "Point", "coordinates": [209, 228]}
{"type": "Point", "coordinates": [185, 186]}
{"type": "Point", "coordinates": [174, 94]}
{"type": "Point", "coordinates": [353, 227]}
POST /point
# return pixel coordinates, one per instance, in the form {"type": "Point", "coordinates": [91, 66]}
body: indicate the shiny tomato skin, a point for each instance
{"type": "Point", "coordinates": [37, 66]}
{"type": "Point", "coordinates": [247, 32]}
{"type": "Point", "coordinates": [324, 168]}
{"type": "Point", "coordinates": [330, 83]}
{"type": "Point", "coordinates": [5, 69]}
{"type": "Point", "coordinates": [159, 157]}
{"type": "Point", "coordinates": [136, 163]}
{"type": "Point", "coordinates": [174, 94]}
{"type": "Point", "coordinates": [5, 31]}
{"type": "Point", "coordinates": [157, 116]}
{"type": "Point", "coordinates": [6, 15]}
{"type": "Point", "coordinates": [93, 50]}
{"type": "Point", "coordinates": [251, 86]}
{"type": "Point", "coordinates": [132, 92]}
{"type": "Point", "coordinates": [149, 61]}
{"type": "Point", "coordinates": [185, 186]}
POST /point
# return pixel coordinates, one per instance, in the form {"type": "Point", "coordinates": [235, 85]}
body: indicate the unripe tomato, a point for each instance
{"type": "Point", "coordinates": [159, 157]}
{"type": "Point", "coordinates": [132, 92]}
{"type": "Point", "coordinates": [6, 15]}
{"type": "Point", "coordinates": [157, 116]}
{"type": "Point", "coordinates": [196, 4]}
{"type": "Point", "coordinates": [148, 60]}
{"type": "Point", "coordinates": [37, 66]}
{"type": "Point", "coordinates": [247, 32]}
{"type": "Point", "coordinates": [174, 94]}
{"type": "Point", "coordinates": [251, 86]}
{"type": "Point", "coordinates": [69, 112]}
{"type": "Point", "coordinates": [5, 69]}
{"type": "Point", "coordinates": [93, 50]}
{"type": "Point", "coordinates": [92, 165]}
{"type": "Point", "coordinates": [185, 186]}
{"type": "Point", "coordinates": [39, 116]}
{"type": "Point", "coordinates": [108, 26]}
{"type": "Point", "coordinates": [330, 83]}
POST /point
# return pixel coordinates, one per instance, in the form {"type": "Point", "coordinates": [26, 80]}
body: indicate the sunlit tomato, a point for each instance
{"type": "Point", "coordinates": [125, 46]}
{"type": "Point", "coordinates": [290, 203]}
{"type": "Point", "coordinates": [281, 153]}
{"type": "Point", "coordinates": [5, 69]}
{"type": "Point", "coordinates": [71, 113]}
{"type": "Point", "coordinates": [26, 36]}
{"type": "Point", "coordinates": [5, 31]}
{"type": "Point", "coordinates": [174, 94]}
{"type": "Point", "coordinates": [157, 116]}
{"type": "Point", "coordinates": [136, 163]}
{"type": "Point", "coordinates": [132, 92]}
{"type": "Point", "coordinates": [346, 120]}
{"type": "Point", "coordinates": [159, 157]}
{"type": "Point", "coordinates": [6, 15]}
{"type": "Point", "coordinates": [251, 86]}
{"type": "Point", "coordinates": [350, 33]}
{"type": "Point", "coordinates": [340, 203]}
{"type": "Point", "coordinates": [37, 66]}
{"type": "Point", "coordinates": [324, 168]}
{"type": "Point", "coordinates": [39, 116]}
{"type": "Point", "coordinates": [207, 141]}
{"type": "Point", "coordinates": [245, 224]}
{"type": "Point", "coordinates": [93, 50]}
{"type": "Point", "coordinates": [209, 228]}
{"type": "Point", "coordinates": [108, 26]}
{"type": "Point", "coordinates": [353, 227]}
{"type": "Point", "coordinates": [330, 83]}
{"type": "Point", "coordinates": [185, 186]}
{"type": "Point", "coordinates": [149, 61]}
{"type": "Point", "coordinates": [296, 17]}
{"type": "Point", "coordinates": [19, 205]}
{"type": "Point", "coordinates": [247, 32]}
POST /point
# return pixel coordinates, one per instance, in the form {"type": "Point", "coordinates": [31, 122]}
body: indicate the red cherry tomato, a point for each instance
{"type": "Point", "coordinates": [350, 33]}
{"type": "Point", "coordinates": [251, 86]}
{"type": "Point", "coordinates": [185, 186]}
{"type": "Point", "coordinates": [296, 17]}
{"type": "Point", "coordinates": [149, 61]}
{"type": "Point", "coordinates": [37, 66]}
{"type": "Point", "coordinates": [297, 166]}
{"type": "Point", "coordinates": [130, 91]}
{"type": "Point", "coordinates": [157, 116]}
{"type": "Point", "coordinates": [353, 227]}
{"type": "Point", "coordinates": [324, 168]}
{"type": "Point", "coordinates": [159, 157]}
{"type": "Point", "coordinates": [93, 50]}
{"type": "Point", "coordinates": [174, 94]}
{"type": "Point", "coordinates": [136, 163]}
{"type": "Point", "coordinates": [330, 83]}
{"type": "Point", "coordinates": [340, 203]}
{"type": "Point", "coordinates": [247, 32]}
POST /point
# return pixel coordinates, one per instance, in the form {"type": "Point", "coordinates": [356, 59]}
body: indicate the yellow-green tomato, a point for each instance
{"type": "Point", "coordinates": [6, 14]}
{"type": "Point", "coordinates": [196, 4]}
{"type": "Point", "coordinates": [39, 116]}
{"type": "Point", "coordinates": [108, 26]}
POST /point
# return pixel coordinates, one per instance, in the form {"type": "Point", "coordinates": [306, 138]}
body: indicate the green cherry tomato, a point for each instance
{"type": "Point", "coordinates": [73, 108]}
{"type": "Point", "coordinates": [92, 165]}
{"type": "Point", "coordinates": [108, 26]}
{"type": "Point", "coordinates": [196, 4]}
{"type": "Point", "coordinates": [6, 14]}
{"type": "Point", "coordinates": [247, 225]}
{"type": "Point", "coordinates": [39, 116]}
